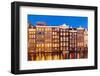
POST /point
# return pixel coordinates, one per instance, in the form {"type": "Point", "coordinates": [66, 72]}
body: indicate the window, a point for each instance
{"type": "Point", "coordinates": [30, 32]}
{"type": "Point", "coordinates": [33, 32]}
{"type": "Point", "coordinates": [48, 44]}
{"type": "Point", "coordinates": [39, 49]}
{"type": "Point", "coordinates": [60, 33]}
{"type": "Point", "coordinates": [66, 38]}
{"type": "Point", "coordinates": [37, 29]}
{"type": "Point", "coordinates": [63, 44]}
{"type": "Point", "coordinates": [61, 29]}
{"type": "Point", "coordinates": [42, 45]}
{"type": "Point", "coordinates": [53, 45]}
{"type": "Point", "coordinates": [42, 29]}
{"type": "Point", "coordinates": [29, 36]}
{"type": "Point", "coordinates": [66, 44]}
{"type": "Point", "coordinates": [33, 41]}
{"type": "Point", "coordinates": [66, 48]}
{"type": "Point", "coordinates": [37, 45]}
{"type": "Point", "coordinates": [53, 33]}
{"type": "Point", "coordinates": [61, 39]}
{"type": "Point", "coordinates": [64, 33]}
{"type": "Point", "coordinates": [45, 29]}
{"type": "Point", "coordinates": [70, 33]}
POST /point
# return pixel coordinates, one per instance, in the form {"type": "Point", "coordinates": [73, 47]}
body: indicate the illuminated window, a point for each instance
{"type": "Point", "coordinates": [48, 29]}
{"type": "Point", "coordinates": [61, 44]}
{"type": "Point", "coordinates": [64, 44]}
{"type": "Point", "coordinates": [33, 41]}
{"type": "Point", "coordinates": [42, 36]}
{"type": "Point", "coordinates": [53, 33]}
{"type": "Point", "coordinates": [66, 33]}
{"type": "Point", "coordinates": [29, 32]}
{"type": "Point", "coordinates": [70, 33]}
{"type": "Point", "coordinates": [60, 33]}
{"type": "Point", "coordinates": [37, 29]}
{"type": "Point", "coordinates": [37, 45]}
{"type": "Point", "coordinates": [33, 32]}
{"type": "Point", "coordinates": [39, 49]}
{"type": "Point", "coordinates": [40, 29]}
{"type": "Point", "coordinates": [33, 36]}
{"type": "Point", "coordinates": [67, 39]}
{"type": "Point", "coordinates": [77, 44]}
{"type": "Point", "coordinates": [61, 39]}
{"type": "Point", "coordinates": [64, 38]}
{"type": "Point", "coordinates": [53, 45]}
{"type": "Point", "coordinates": [29, 36]}
{"type": "Point", "coordinates": [50, 44]}
{"type": "Point", "coordinates": [42, 45]}
{"type": "Point", "coordinates": [66, 48]}
{"type": "Point", "coordinates": [63, 33]}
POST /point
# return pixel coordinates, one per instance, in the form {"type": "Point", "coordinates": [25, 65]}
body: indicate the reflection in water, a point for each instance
{"type": "Point", "coordinates": [55, 55]}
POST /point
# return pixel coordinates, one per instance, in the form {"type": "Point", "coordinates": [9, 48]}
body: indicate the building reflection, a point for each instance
{"type": "Point", "coordinates": [56, 42]}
